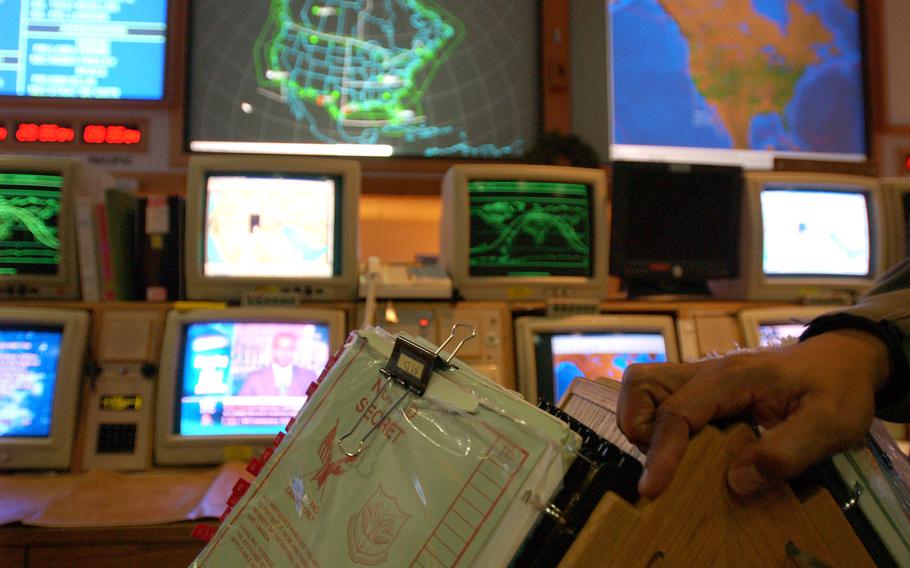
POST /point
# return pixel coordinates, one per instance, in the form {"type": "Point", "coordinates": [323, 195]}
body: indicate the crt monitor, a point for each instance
{"type": "Point", "coordinates": [41, 355]}
{"type": "Point", "coordinates": [552, 352]}
{"type": "Point", "coordinates": [231, 379]}
{"type": "Point", "coordinates": [274, 223]}
{"type": "Point", "coordinates": [896, 196]}
{"type": "Point", "coordinates": [675, 226]}
{"type": "Point", "coordinates": [774, 326]}
{"type": "Point", "coordinates": [808, 236]}
{"type": "Point", "coordinates": [84, 50]}
{"type": "Point", "coordinates": [38, 252]}
{"type": "Point", "coordinates": [523, 232]}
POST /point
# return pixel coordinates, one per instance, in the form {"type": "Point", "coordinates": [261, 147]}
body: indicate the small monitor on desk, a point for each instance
{"type": "Point", "coordinates": [522, 232]}
{"type": "Point", "coordinates": [896, 196]}
{"type": "Point", "coordinates": [808, 236]}
{"type": "Point", "coordinates": [766, 327]}
{"type": "Point", "coordinates": [41, 354]}
{"type": "Point", "coordinates": [231, 379]}
{"type": "Point", "coordinates": [38, 252]}
{"type": "Point", "coordinates": [278, 224]}
{"type": "Point", "coordinates": [552, 352]}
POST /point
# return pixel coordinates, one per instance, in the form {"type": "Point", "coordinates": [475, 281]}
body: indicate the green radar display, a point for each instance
{"type": "Point", "coordinates": [414, 78]}
{"type": "Point", "coordinates": [29, 223]}
{"type": "Point", "coordinates": [523, 228]}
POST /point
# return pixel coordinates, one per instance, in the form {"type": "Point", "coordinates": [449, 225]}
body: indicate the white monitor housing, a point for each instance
{"type": "Point", "coordinates": [606, 343]}
{"type": "Point", "coordinates": [41, 354]}
{"type": "Point", "coordinates": [39, 252]}
{"type": "Point", "coordinates": [808, 236]}
{"type": "Point", "coordinates": [271, 224]}
{"type": "Point", "coordinates": [764, 327]}
{"type": "Point", "coordinates": [525, 232]}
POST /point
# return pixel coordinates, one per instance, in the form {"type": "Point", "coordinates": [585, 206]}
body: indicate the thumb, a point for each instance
{"type": "Point", "coordinates": [789, 448]}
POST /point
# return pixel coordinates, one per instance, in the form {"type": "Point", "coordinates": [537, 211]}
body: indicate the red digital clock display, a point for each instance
{"type": "Point", "coordinates": [74, 134]}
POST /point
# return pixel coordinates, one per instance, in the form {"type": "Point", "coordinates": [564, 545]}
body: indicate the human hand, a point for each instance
{"type": "Point", "coordinates": [813, 398]}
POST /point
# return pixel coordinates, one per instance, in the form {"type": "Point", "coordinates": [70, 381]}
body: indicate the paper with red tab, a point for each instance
{"type": "Point", "coordinates": [453, 478]}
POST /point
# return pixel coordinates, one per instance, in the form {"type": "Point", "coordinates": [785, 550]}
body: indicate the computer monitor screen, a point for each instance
{"type": "Point", "coordinates": [28, 378]}
{"type": "Point", "coordinates": [778, 333]}
{"type": "Point", "coordinates": [530, 228]}
{"type": "Point", "coordinates": [447, 78]}
{"type": "Point", "coordinates": [84, 50]}
{"type": "Point", "coordinates": [594, 356]}
{"type": "Point", "coordinates": [809, 237]}
{"type": "Point", "coordinates": [38, 229]}
{"type": "Point", "coordinates": [281, 226]}
{"type": "Point", "coordinates": [30, 241]}
{"type": "Point", "coordinates": [552, 352]}
{"type": "Point", "coordinates": [264, 224]}
{"type": "Point", "coordinates": [247, 378]}
{"type": "Point", "coordinates": [815, 232]}
{"type": "Point", "coordinates": [741, 82]}
{"type": "Point", "coordinates": [523, 232]}
{"type": "Point", "coordinates": [768, 327]}
{"type": "Point", "coordinates": [674, 226]}
{"type": "Point", "coordinates": [41, 355]}
{"type": "Point", "coordinates": [231, 379]}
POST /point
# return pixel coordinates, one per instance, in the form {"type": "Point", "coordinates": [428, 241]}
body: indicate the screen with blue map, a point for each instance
{"type": "Point", "coordinates": [563, 357]}
{"type": "Point", "coordinates": [84, 49]}
{"type": "Point", "coordinates": [428, 78]}
{"type": "Point", "coordinates": [530, 228]}
{"type": "Point", "coordinates": [737, 81]}
{"type": "Point", "coordinates": [28, 377]}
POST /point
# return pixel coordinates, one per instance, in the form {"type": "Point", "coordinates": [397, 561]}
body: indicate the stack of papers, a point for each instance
{"type": "Point", "coordinates": [455, 477]}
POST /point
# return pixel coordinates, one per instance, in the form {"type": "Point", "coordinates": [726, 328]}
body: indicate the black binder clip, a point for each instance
{"type": "Point", "coordinates": [411, 366]}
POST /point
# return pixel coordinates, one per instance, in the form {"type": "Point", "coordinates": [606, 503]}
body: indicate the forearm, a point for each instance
{"type": "Point", "coordinates": [886, 317]}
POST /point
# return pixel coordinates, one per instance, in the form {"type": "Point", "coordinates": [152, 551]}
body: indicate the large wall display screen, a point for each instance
{"type": "Point", "coordinates": [83, 49]}
{"type": "Point", "coordinates": [446, 78]}
{"type": "Point", "coordinates": [736, 81]}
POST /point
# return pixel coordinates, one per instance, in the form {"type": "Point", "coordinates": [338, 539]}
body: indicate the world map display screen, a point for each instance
{"type": "Point", "coordinates": [429, 78]}
{"type": "Point", "coordinates": [815, 232]}
{"type": "Point", "coordinates": [262, 226]}
{"type": "Point", "coordinates": [28, 379]}
{"type": "Point", "coordinates": [562, 358]}
{"type": "Point", "coordinates": [736, 81]}
{"type": "Point", "coordinates": [530, 228]}
{"type": "Point", "coordinates": [29, 223]}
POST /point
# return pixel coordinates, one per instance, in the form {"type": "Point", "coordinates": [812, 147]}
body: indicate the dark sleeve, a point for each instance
{"type": "Point", "coordinates": [884, 312]}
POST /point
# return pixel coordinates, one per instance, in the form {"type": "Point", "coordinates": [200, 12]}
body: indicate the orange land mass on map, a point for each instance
{"type": "Point", "coordinates": [728, 65]}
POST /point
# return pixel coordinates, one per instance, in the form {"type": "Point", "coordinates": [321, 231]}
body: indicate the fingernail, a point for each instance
{"type": "Point", "coordinates": [745, 479]}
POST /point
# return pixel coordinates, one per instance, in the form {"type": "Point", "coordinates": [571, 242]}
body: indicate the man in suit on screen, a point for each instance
{"type": "Point", "coordinates": [281, 377]}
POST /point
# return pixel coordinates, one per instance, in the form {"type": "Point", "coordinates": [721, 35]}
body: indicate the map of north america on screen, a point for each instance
{"type": "Point", "coordinates": [425, 78]}
{"type": "Point", "coordinates": [779, 75]}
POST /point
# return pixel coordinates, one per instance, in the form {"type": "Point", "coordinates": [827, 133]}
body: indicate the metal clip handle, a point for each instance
{"type": "Point", "coordinates": [415, 383]}
{"type": "Point", "coordinates": [369, 433]}
{"type": "Point", "coordinates": [452, 336]}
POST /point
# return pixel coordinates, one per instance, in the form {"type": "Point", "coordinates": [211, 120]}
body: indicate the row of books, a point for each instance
{"type": "Point", "coordinates": [130, 246]}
